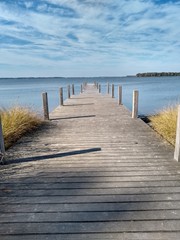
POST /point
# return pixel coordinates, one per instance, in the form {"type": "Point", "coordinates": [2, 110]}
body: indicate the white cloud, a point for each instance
{"type": "Point", "coordinates": [95, 33]}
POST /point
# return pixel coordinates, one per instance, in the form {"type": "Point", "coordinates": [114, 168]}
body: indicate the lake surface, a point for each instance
{"type": "Point", "coordinates": [155, 93]}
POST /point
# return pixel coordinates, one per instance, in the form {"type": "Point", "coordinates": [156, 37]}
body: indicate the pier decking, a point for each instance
{"type": "Point", "coordinates": [92, 173]}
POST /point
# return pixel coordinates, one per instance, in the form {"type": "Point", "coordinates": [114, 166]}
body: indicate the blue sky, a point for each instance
{"type": "Point", "coordinates": [88, 37]}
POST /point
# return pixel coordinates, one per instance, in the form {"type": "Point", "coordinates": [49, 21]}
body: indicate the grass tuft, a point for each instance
{"type": "Point", "coordinates": [16, 122]}
{"type": "Point", "coordinates": [165, 123]}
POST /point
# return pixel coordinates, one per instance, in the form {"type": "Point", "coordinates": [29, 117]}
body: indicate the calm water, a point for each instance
{"type": "Point", "coordinates": [155, 93]}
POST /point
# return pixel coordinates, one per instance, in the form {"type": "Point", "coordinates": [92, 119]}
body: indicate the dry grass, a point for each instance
{"type": "Point", "coordinates": [16, 122]}
{"type": "Point", "coordinates": [165, 123]}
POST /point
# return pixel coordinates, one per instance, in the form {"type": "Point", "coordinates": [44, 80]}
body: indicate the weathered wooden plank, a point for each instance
{"type": "Point", "coordinates": [153, 197]}
{"type": "Point", "coordinates": [90, 216]}
{"type": "Point", "coordinates": [103, 165]}
{"type": "Point", "coordinates": [100, 179]}
{"type": "Point", "coordinates": [25, 192]}
{"type": "Point", "coordinates": [59, 185]}
{"type": "Point", "coordinates": [90, 227]}
{"type": "Point", "coordinates": [51, 171]}
{"type": "Point", "coordinates": [100, 174]}
{"type": "Point", "coordinates": [88, 207]}
{"type": "Point", "coordinates": [98, 236]}
{"type": "Point", "coordinates": [91, 181]}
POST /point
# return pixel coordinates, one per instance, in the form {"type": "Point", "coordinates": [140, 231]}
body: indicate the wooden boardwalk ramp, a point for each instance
{"type": "Point", "coordinates": [92, 173]}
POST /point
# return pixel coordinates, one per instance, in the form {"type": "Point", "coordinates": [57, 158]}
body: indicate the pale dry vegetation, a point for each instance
{"type": "Point", "coordinates": [165, 123]}
{"type": "Point", "coordinates": [16, 122]}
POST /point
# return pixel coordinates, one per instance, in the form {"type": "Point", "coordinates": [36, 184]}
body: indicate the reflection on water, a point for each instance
{"type": "Point", "coordinates": [154, 93]}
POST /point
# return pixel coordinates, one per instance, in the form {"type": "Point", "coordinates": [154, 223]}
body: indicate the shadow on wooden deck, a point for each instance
{"type": "Point", "coordinates": [64, 118]}
{"type": "Point", "coordinates": [74, 105]}
{"type": "Point", "coordinates": [50, 156]}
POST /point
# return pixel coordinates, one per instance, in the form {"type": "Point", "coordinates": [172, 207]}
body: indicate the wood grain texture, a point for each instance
{"type": "Point", "coordinates": [92, 172]}
{"type": "Point", "coordinates": [119, 95]}
{"type": "Point", "coordinates": [45, 106]}
{"type": "Point", "coordinates": [135, 104]}
{"type": "Point", "coordinates": [61, 96]}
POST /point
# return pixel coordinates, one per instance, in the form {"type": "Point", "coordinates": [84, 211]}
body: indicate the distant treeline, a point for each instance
{"type": "Point", "coordinates": [157, 74]}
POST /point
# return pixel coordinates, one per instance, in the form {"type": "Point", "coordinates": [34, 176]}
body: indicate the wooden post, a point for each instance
{"type": "Point", "coordinates": [84, 85]}
{"type": "Point", "coordinates": [135, 104]}
{"type": "Point", "coordinates": [61, 96]}
{"type": "Point", "coordinates": [107, 88]}
{"type": "Point", "coordinates": [99, 88]}
{"type": "Point", "coordinates": [45, 106]}
{"type": "Point", "coordinates": [177, 144]}
{"type": "Point", "coordinates": [112, 90]}
{"type": "Point", "coordinates": [72, 89]}
{"type": "Point", "coordinates": [120, 95]}
{"type": "Point", "coordinates": [69, 91]}
{"type": "Point", "coordinates": [2, 146]}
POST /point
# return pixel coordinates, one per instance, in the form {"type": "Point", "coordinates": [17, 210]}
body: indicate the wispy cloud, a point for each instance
{"type": "Point", "coordinates": [102, 37]}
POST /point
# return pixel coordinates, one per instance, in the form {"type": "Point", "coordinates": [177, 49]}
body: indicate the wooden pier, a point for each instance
{"type": "Point", "coordinates": [93, 172]}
